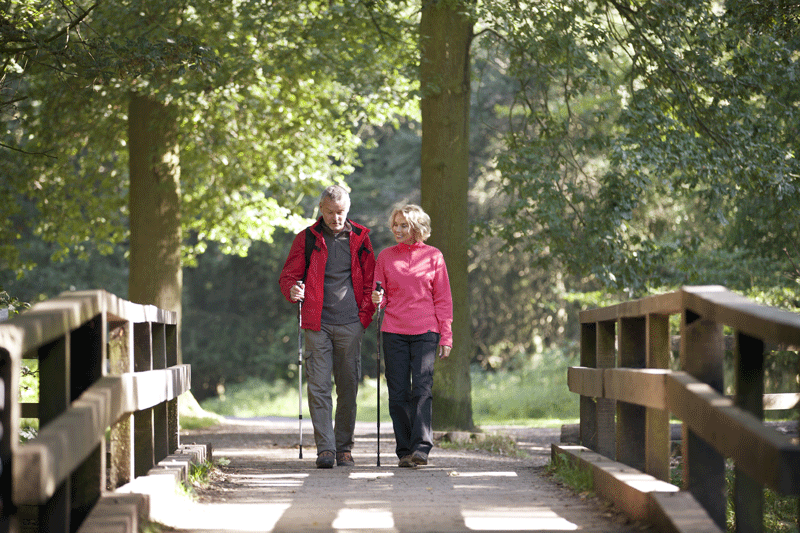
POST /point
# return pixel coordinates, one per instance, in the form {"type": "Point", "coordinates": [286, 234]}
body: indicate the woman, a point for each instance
{"type": "Point", "coordinates": [417, 323]}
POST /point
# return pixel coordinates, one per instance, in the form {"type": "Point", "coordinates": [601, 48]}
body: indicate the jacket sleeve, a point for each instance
{"type": "Point", "coordinates": [443, 302]}
{"type": "Point", "coordinates": [295, 265]}
{"type": "Point", "coordinates": [367, 277]}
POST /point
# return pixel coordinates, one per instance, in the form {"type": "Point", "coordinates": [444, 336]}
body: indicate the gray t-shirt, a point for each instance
{"type": "Point", "coordinates": [339, 305]}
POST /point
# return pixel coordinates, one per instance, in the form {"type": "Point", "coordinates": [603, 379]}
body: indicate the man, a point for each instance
{"type": "Point", "coordinates": [335, 285]}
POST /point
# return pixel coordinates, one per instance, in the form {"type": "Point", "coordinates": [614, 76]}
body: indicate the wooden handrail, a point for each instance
{"type": "Point", "coordinates": [104, 362]}
{"type": "Point", "coordinates": [627, 393]}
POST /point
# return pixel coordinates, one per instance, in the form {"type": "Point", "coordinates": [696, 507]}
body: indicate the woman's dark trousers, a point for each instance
{"type": "Point", "coordinates": [409, 363]}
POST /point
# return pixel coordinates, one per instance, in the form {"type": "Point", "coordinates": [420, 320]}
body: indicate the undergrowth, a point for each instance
{"type": "Point", "coordinates": [494, 443]}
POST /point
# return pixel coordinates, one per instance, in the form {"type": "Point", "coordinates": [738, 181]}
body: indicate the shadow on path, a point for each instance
{"type": "Point", "coordinates": [266, 487]}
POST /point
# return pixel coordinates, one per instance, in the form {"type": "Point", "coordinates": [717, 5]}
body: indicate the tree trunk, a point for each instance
{"type": "Point", "coordinates": [155, 277]}
{"type": "Point", "coordinates": [446, 33]}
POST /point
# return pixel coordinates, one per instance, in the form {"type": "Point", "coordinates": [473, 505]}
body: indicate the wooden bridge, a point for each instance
{"type": "Point", "coordinates": [110, 377]}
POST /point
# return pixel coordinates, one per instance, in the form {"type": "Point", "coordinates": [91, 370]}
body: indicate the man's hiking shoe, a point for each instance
{"type": "Point", "coordinates": [325, 459]}
{"type": "Point", "coordinates": [419, 458]}
{"type": "Point", "coordinates": [344, 459]}
{"type": "Point", "coordinates": [406, 462]}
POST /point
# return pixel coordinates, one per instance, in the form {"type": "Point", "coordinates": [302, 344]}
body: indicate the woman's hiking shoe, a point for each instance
{"type": "Point", "coordinates": [325, 459]}
{"type": "Point", "coordinates": [344, 459]}
{"type": "Point", "coordinates": [406, 462]}
{"type": "Point", "coordinates": [419, 458]}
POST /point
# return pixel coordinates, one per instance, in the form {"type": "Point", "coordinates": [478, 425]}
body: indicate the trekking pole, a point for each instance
{"type": "Point", "coordinates": [300, 370]}
{"type": "Point", "coordinates": [378, 352]}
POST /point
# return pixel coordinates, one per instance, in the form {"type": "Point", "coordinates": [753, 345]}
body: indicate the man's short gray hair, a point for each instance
{"type": "Point", "coordinates": [336, 193]}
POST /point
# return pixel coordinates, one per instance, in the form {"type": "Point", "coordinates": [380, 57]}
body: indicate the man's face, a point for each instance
{"type": "Point", "coordinates": [334, 213]}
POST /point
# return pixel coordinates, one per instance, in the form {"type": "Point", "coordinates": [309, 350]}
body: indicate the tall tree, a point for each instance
{"type": "Point", "coordinates": [156, 276]}
{"type": "Point", "coordinates": [445, 38]}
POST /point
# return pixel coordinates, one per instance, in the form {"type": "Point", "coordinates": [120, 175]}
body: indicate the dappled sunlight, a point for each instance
{"type": "Point", "coordinates": [223, 516]}
{"type": "Point", "coordinates": [483, 474]}
{"type": "Point", "coordinates": [370, 475]}
{"type": "Point", "coordinates": [515, 519]}
{"type": "Point", "coordinates": [349, 519]}
{"type": "Point", "coordinates": [269, 480]}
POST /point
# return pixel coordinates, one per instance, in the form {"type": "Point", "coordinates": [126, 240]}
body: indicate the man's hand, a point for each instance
{"type": "Point", "coordinates": [298, 291]}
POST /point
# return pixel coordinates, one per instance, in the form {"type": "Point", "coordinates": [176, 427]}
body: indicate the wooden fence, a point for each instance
{"type": "Point", "coordinates": [104, 363]}
{"type": "Point", "coordinates": [628, 393]}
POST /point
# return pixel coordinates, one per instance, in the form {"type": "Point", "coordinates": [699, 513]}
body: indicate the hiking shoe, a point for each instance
{"type": "Point", "coordinates": [344, 459]}
{"type": "Point", "coordinates": [419, 458]}
{"type": "Point", "coordinates": [325, 459]}
{"type": "Point", "coordinates": [406, 462]}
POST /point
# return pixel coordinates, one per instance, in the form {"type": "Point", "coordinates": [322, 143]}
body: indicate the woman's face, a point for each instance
{"type": "Point", "coordinates": [402, 230]}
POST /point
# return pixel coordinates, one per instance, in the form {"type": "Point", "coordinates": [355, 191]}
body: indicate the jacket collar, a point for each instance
{"type": "Point", "coordinates": [355, 227]}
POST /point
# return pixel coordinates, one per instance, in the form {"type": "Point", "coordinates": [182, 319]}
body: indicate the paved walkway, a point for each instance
{"type": "Point", "coordinates": [267, 488]}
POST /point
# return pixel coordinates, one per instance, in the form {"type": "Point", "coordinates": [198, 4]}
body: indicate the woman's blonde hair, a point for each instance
{"type": "Point", "coordinates": [418, 219]}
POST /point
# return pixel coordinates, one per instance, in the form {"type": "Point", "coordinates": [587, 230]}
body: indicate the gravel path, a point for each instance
{"type": "Point", "coordinates": [266, 487]}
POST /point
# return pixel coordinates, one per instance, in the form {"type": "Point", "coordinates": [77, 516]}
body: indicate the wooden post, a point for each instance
{"type": "Point", "coordinates": [702, 351]}
{"type": "Point", "coordinates": [144, 456]}
{"type": "Point", "coordinates": [88, 349]}
{"type": "Point", "coordinates": [172, 358]}
{"type": "Point", "coordinates": [160, 411]}
{"type": "Point", "coordinates": [588, 405]}
{"type": "Point", "coordinates": [55, 396]}
{"type": "Point", "coordinates": [606, 358]}
{"type": "Point", "coordinates": [8, 395]}
{"type": "Point", "coordinates": [657, 430]}
{"type": "Point", "coordinates": [748, 494]}
{"type": "Point", "coordinates": [631, 417]}
{"type": "Point", "coordinates": [120, 358]}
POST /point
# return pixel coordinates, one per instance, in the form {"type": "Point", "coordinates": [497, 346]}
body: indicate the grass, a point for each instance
{"type": "Point", "coordinates": [570, 474]}
{"type": "Point", "coordinates": [491, 443]}
{"type": "Point", "coordinates": [534, 396]}
{"type": "Point", "coordinates": [780, 512]}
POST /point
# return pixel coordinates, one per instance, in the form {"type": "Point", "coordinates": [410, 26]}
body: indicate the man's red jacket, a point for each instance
{"type": "Point", "coordinates": [362, 268]}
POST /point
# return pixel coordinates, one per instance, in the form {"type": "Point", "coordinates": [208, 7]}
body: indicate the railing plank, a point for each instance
{"type": "Point", "coordinates": [640, 386]}
{"type": "Point", "coordinates": [585, 381]}
{"type": "Point", "coordinates": [662, 304]}
{"type": "Point", "coordinates": [760, 451]}
{"type": "Point", "coordinates": [42, 464]}
{"type": "Point", "coordinates": [767, 323]}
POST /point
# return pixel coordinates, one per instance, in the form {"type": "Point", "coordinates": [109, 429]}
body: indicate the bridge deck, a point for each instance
{"type": "Point", "coordinates": [266, 487]}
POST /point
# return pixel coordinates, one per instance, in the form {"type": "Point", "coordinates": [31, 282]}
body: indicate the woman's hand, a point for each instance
{"type": "Point", "coordinates": [377, 297]}
{"type": "Point", "coordinates": [444, 351]}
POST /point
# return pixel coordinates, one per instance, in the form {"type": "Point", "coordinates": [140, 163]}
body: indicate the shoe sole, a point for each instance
{"type": "Point", "coordinates": [419, 461]}
{"type": "Point", "coordinates": [326, 462]}
{"type": "Point", "coordinates": [406, 464]}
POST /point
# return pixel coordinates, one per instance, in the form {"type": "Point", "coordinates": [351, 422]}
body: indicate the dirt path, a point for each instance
{"type": "Point", "coordinates": [266, 487]}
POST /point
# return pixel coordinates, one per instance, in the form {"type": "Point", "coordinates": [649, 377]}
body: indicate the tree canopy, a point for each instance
{"type": "Point", "coordinates": [652, 144]}
{"type": "Point", "coordinates": [270, 100]}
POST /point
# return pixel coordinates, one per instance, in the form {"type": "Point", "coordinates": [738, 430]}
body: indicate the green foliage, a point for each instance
{"type": "Point", "coordinates": [270, 104]}
{"type": "Point", "coordinates": [535, 392]}
{"type": "Point", "coordinates": [11, 303]}
{"type": "Point", "coordinates": [493, 443]}
{"type": "Point", "coordinates": [645, 139]}
{"type": "Point", "coordinates": [566, 471]}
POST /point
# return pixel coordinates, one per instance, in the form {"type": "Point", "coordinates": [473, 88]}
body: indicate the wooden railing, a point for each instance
{"type": "Point", "coordinates": [628, 393]}
{"type": "Point", "coordinates": [104, 363]}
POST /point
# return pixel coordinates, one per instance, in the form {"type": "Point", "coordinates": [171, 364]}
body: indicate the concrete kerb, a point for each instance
{"type": "Point", "coordinates": [141, 499]}
{"type": "Point", "coordinates": [640, 496]}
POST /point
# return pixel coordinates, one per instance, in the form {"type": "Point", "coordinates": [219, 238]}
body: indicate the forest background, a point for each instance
{"type": "Point", "coordinates": [616, 149]}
